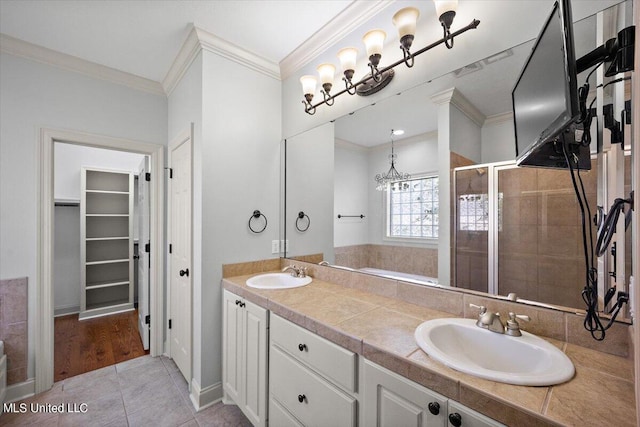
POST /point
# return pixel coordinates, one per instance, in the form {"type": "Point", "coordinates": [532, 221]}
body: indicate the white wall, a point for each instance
{"type": "Point", "coordinates": [465, 135]}
{"type": "Point", "coordinates": [310, 188]}
{"type": "Point", "coordinates": [69, 158]}
{"type": "Point", "coordinates": [351, 195]}
{"type": "Point", "coordinates": [498, 140]}
{"type": "Point", "coordinates": [66, 259]}
{"type": "Point", "coordinates": [35, 96]}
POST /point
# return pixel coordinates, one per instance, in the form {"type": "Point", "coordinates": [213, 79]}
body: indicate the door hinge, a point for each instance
{"type": "Point", "coordinates": [170, 248]}
{"type": "Point", "coordinates": [147, 319]}
{"type": "Point", "coordinates": [147, 247]}
{"type": "Point", "coordinates": [169, 323]}
{"type": "Point", "coordinates": [147, 176]}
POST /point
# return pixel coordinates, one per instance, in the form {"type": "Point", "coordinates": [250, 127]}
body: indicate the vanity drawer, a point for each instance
{"type": "Point", "coordinates": [280, 417]}
{"type": "Point", "coordinates": [327, 358]}
{"type": "Point", "coordinates": [308, 397]}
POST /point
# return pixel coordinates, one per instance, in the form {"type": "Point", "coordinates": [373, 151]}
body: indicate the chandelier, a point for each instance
{"type": "Point", "coordinates": [392, 177]}
{"type": "Point", "coordinates": [379, 77]}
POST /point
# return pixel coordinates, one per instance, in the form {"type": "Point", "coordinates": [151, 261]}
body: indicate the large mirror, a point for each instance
{"type": "Point", "coordinates": [507, 230]}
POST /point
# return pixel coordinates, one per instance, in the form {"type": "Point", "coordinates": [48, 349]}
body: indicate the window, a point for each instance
{"type": "Point", "coordinates": [413, 208]}
{"type": "Point", "coordinates": [473, 212]}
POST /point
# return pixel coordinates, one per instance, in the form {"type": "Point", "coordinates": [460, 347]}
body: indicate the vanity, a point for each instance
{"type": "Point", "coordinates": [341, 351]}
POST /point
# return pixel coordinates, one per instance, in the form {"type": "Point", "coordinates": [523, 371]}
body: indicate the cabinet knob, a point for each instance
{"type": "Point", "coordinates": [238, 302]}
{"type": "Point", "coordinates": [242, 304]}
{"type": "Point", "coordinates": [302, 398]}
{"type": "Point", "coordinates": [455, 419]}
{"type": "Point", "coordinates": [434, 408]}
{"type": "Point", "coordinates": [302, 347]}
{"type": "Point", "coordinates": [184, 272]}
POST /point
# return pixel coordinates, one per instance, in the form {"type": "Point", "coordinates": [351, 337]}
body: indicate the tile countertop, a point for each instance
{"type": "Point", "coordinates": [382, 330]}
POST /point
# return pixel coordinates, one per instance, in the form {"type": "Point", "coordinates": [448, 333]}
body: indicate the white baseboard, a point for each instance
{"type": "Point", "coordinates": [204, 397]}
{"type": "Point", "coordinates": [21, 390]}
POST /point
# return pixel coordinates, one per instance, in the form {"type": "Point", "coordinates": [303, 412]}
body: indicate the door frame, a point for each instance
{"type": "Point", "coordinates": [44, 323]}
{"type": "Point", "coordinates": [180, 139]}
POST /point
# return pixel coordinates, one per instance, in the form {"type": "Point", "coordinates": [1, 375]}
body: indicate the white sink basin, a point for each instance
{"type": "Point", "coordinates": [277, 281]}
{"type": "Point", "coordinates": [463, 346]}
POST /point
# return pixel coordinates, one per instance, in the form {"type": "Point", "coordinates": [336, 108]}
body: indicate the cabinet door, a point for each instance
{"type": "Point", "coordinates": [462, 416]}
{"type": "Point", "coordinates": [232, 346]}
{"type": "Point", "coordinates": [393, 401]}
{"type": "Point", "coordinates": [254, 363]}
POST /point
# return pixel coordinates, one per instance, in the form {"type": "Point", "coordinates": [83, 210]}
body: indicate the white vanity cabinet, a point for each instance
{"type": "Point", "coordinates": [312, 381]}
{"type": "Point", "coordinates": [390, 400]}
{"type": "Point", "coordinates": [244, 359]}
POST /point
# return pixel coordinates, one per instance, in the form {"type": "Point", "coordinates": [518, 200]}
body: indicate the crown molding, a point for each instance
{"type": "Point", "coordinates": [21, 48]}
{"type": "Point", "coordinates": [499, 118]}
{"type": "Point", "coordinates": [454, 97]}
{"type": "Point", "coordinates": [199, 39]}
{"type": "Point", "coordinates": [353, 16]}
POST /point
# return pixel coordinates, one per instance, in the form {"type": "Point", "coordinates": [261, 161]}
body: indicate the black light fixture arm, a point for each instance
{"type": "Point", "coordinates": [351, 87]}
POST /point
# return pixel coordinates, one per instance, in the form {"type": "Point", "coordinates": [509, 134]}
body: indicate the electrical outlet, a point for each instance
{"type": "Point", "coordinates": [275, 246]}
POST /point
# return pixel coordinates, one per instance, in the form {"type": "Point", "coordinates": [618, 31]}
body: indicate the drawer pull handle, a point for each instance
{"type": "Point", "coordinates": [302, 347]}
{"type": "Point", "coordinates": [302, 398]}
{"type": "Point", "coordinates": [434, 408]}
{"type": "Point", "coordinates": [455, 419]}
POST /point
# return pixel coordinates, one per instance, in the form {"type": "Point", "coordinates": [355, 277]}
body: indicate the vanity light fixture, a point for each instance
{"type": "Point", "coordinates": [405, 21]}
{"type": "Point", "coordinates": [446, 11]}
{"type": "Point", "coordinates": [383, 180]}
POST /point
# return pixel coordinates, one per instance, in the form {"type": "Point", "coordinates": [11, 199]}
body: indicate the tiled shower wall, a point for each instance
{"type": "Point", "coordinates": [422, 261]}
{"type": "Point", "coordinates": [13, 327]}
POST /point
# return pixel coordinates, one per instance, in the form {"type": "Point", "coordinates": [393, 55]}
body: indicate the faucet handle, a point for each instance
{"type": "Point", "coordinates": [513, 317]}
{"type": "Point", "coordinates": [482, 308]}
{"type": "Point", "coordinates": [513, 327]}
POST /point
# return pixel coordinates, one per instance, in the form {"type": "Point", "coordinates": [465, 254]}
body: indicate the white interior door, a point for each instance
{"type": "Point", "coordinates": [180, 257]}
{"type": "Point", "coordinates": [143, 260]}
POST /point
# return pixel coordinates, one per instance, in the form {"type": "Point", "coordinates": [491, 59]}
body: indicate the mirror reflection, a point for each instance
{"type": "Point", "coordinates": [506, 230]}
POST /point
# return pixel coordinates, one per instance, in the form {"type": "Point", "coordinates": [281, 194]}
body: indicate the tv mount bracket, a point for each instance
{"type": "Point", "coordinates": [618, 52]}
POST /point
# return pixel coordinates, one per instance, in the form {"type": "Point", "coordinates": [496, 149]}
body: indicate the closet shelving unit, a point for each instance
{"type": "Point", "coordinates": [106, 233]}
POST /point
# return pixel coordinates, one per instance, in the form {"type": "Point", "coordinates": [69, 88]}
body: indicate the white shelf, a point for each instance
{"type": "Point", "coordinates": [106, 211]}
{"type": "Point", "coordinates": [107, 261]}
{"type": "Point", "coordinates": [98, 239]}
{"type": "Point", "coordinates": [100, 285]}
{"type": "Point", "coordinates": [107, 192]}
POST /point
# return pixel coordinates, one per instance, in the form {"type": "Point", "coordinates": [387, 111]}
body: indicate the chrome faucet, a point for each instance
{"type": "Point", "coordinates": [296, 271]}
{"type": "Point", "coordinates": [489, 320]}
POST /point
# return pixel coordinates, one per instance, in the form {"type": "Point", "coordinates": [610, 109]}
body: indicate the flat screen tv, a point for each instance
{"type": "Point", "coordinates": [545, 97]}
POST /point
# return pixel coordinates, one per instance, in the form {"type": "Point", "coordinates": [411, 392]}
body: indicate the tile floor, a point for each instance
{"type": "Point", "coordinates": [145, 391]}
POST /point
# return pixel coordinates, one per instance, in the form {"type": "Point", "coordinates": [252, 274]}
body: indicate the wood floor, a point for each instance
{"type": "Point", "coordinates": [83, 346]}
